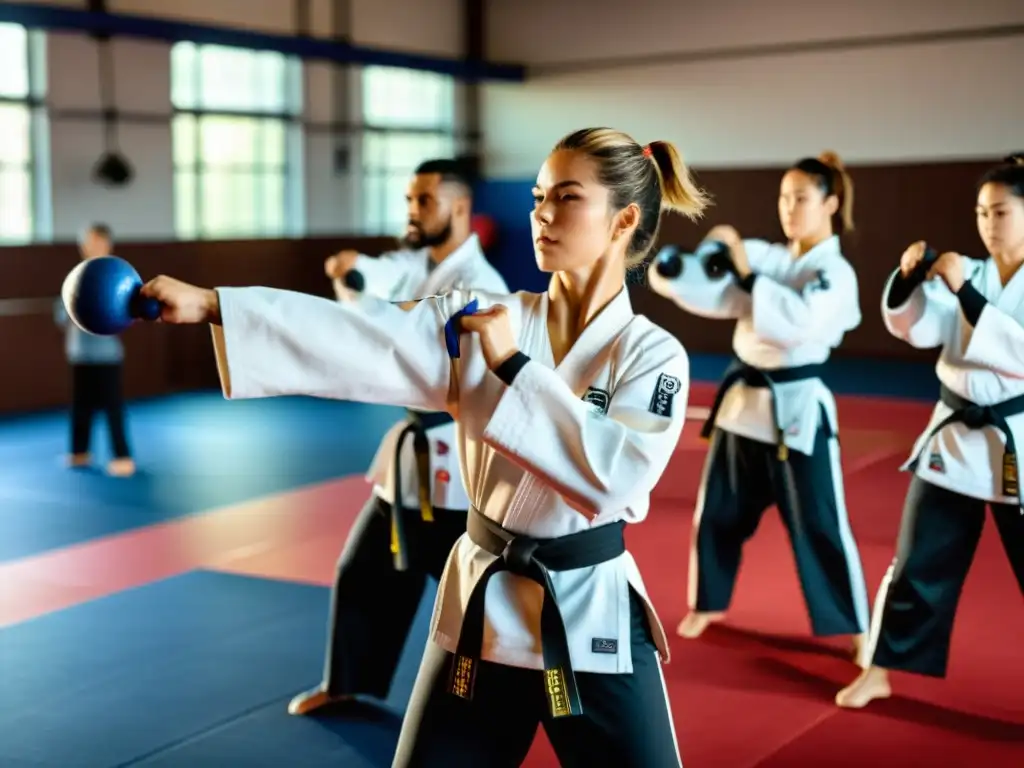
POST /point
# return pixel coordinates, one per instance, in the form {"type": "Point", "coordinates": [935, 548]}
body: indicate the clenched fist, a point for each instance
{"type": "Point", "coordinates": [494, 328]}
{"type": "Point", "coordinates": [912, 257]}
{"type": "Point", "coordinates": [181, 303]}
{"type": "Point", "coordinates": [949, 266]}
{"type": "Point", "coordinates": [340, 264]}
{"type": "Point", "coordinates": [728, 235]}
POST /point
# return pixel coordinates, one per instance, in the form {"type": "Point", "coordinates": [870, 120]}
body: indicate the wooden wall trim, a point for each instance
{"type": "Point", "coordinates": [159, 360]}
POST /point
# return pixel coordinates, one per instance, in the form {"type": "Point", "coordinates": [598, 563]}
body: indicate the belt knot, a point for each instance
{"type": "Point", "coordinates": [519, 552]}
{"type": "Point", "coordinates": [977, 416]}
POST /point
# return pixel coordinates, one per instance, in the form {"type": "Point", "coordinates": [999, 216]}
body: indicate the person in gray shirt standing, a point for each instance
{"type": "Point", "coordinates": [96, 373]}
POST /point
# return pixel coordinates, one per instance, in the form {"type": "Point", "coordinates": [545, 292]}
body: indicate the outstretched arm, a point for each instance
{"type": "Point", "coordinates": [382, 276]}
{"type": "Point", "coordinates": [596, 462]}
{"type": "Point", "coordinates": [272, 342]}
{"type": "Point", "coordinates": [717, 296]}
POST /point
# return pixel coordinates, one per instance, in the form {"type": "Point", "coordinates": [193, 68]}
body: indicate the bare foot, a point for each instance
{"type": "Point", "coordinates": [695, 622]}
{"type": "Point", "coordinates": [313, 699]}
{"type": "Point", "coordinates": [79, 459]}
{"type": "Point", "coordinates": [873, 683]}
{"type": "Point", "coordinates": [121, 468]}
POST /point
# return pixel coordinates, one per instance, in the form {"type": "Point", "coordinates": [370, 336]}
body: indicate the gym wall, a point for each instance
{"type": "Point", "coordinates": [918, 97]}
{"type": "Point", "coordinates": [142, 215]}
{"type": "Point", "coordinates": [145, 210]}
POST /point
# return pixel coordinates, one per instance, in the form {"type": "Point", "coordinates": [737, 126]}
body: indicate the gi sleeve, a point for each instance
{"type": "Point", "coordinates": [273, 342]}
{"type": "Point", "coordinates": [997, 342]}
{"type": "Point", "coordinates": [926, 318]}
{"type": "Point", "coordinates": [717, 298]}
{"type": "Point", "coordinates": [824, 308]}
{"type": "Point", "coordinates": [382, 275]}
{"type": "Point", "coordinates": [597, 462]}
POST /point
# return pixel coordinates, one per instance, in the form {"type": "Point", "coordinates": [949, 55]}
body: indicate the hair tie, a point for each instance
{"type": "Point", "coordinates": [647, 151]}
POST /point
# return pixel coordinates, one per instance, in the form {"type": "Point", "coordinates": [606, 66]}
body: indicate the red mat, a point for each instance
{"type": "Point", "coordinates": [756, 692]}
{"type": "Point", "coordinates": [759, 690]}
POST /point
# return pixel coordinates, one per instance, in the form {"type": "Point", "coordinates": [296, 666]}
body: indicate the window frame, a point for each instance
{"type": "Point", "coordinates": [36, 166]}
{"type": "Point", "coordinates": [380, 217]}
{"type": "Point", "coordinates": [288, 116]}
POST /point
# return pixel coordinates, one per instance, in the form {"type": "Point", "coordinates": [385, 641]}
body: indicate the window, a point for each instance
{"type": "Point", "coordinates": [409, 117]}
{"type": "Point", "coordinates": [237, 142]}
{"type": "Point", "coordinates": [17, 167]}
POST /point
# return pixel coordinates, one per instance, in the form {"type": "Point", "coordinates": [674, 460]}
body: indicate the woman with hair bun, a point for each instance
{"type": "Point", "coordinates": [966, 459]}
{"type": "Point", "coordinates": [773, 426]}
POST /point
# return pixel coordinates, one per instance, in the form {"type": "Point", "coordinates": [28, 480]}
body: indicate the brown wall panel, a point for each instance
{"type": "Point", "coordinates": [159, 360]}
{"type": "Point", "coordinates": [894, 205]}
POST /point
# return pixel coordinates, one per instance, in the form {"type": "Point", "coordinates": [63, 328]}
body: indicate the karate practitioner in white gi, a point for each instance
{"type": "Point", "coordinates": [396, 547]}
{"type": "Point", "coordinates": [568, 409]}
{"type": "Point", "coordinates": [967, 457]}
{"type": "Point", "coordinates": [773, 427]}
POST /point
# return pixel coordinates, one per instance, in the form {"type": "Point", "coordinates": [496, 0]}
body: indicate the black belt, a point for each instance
{"type": "Point", "coordinates": [762, 379]}
{"type": "Point", "coordinates": [975, 416]}
{"type": "Point", "coordinates": [419, 423]}
{"type": "Point", "coordinates": [532, 558]}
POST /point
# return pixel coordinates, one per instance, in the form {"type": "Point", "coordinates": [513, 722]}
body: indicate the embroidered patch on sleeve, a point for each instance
{"type": "Point", "coordinates": [597, 398]}
{"type": "Point", "coordinates": [820, 282]}
{"type": "Point", "coordinates": [664, 393]}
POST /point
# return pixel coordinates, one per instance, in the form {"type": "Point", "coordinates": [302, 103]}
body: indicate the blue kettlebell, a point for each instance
{"type": "Point", "coordinates": [102, 296]}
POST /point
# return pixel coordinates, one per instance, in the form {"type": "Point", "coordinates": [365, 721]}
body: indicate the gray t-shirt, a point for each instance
{"type": "Point", "coordinates": [84, 348]}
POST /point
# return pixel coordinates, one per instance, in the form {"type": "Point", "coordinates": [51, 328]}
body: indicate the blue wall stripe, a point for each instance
{"type": "Point", "coordinates": [509, 203]}
{"type": "Point", "coordinates": [151, 28]}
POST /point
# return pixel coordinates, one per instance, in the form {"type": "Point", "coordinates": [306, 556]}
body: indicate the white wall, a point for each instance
{"type": "Point", "coordinates": [145, 210]}
{"type": "Point", "coordinates": [685, 72]}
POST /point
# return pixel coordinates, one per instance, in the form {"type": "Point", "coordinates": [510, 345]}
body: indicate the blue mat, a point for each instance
{"type": "Point", "coordinates": [192, 671]}
{"type": "Point", "coordinates": [199, 451]}
{"type": "Point", "coordinates": [194, 452]}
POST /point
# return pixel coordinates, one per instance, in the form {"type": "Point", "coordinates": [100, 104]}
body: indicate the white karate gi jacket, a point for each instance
{"type": "Point", "coordinates": [798, 312]}
{"type": "Point", "coordinates": [564, 448]}
{"type": "Point", "coordinates": [403, 276]}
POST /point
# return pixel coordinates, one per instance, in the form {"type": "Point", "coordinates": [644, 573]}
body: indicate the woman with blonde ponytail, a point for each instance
{"type": "Point", "coordinates": [568, 409]}
{"type": "Point", "coordinates": [773, 426]}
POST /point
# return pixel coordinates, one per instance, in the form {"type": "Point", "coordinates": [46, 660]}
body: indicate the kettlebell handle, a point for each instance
{"type": "Point", "coordinates": [143, 307]}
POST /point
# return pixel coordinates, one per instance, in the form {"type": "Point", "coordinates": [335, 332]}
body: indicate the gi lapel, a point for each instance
{"type": "Point", "coordinates": [580, 366]}
{"type": "Point", "coordinates": [1010, 296]}
{"type": "Point", "coordinates": [590, 353]}
{"type": "Point", "coordinates": [445, 274]}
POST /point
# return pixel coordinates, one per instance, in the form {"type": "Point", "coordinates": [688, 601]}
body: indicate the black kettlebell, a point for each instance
{"type": "Point", "coordinates": [354, 280]}
{"type": "Point", "coordinates": [713, 255]}
{"type": "Point", "coordinates": [717, 259]}
{"type": "Point", "coordinates": [927, 261]}
{"type": "Point", "coordinates": [669, 262]}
